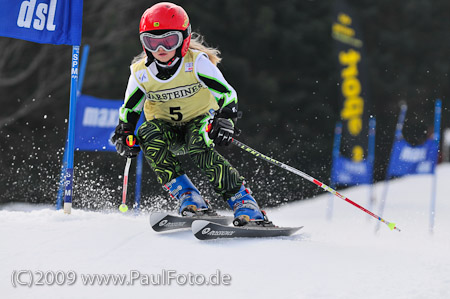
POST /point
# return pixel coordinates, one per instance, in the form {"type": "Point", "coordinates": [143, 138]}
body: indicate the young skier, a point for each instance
{"type": "Point", "coordinates": [189, 107]}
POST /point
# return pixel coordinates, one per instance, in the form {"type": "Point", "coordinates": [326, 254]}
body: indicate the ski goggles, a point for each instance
{"type": "Point", "coordinates": [169, 41]}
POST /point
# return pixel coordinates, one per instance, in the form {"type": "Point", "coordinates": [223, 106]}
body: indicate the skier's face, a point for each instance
{"type": "Point", "coordinates": [163, 55]}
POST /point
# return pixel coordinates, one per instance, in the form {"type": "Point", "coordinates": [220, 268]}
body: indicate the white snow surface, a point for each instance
{"type": "Point", "coordinates": [341, 258]}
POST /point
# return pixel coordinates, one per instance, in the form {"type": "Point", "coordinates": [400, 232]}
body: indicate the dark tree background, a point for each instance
{"type": "Point", "coordinates": [279, 57]}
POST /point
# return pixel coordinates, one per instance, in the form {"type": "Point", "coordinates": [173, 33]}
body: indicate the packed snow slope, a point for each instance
{"type": "Point", "coordinates": [341, 258]}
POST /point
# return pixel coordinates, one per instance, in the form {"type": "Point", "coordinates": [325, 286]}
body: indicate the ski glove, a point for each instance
{"type": "Point", "coordinates": [125, 144]}
{"type": "Point", "coordinates": [222, 130]}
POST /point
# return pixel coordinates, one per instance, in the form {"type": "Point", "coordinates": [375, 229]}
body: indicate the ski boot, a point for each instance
{"type": "Point", "coordinates": [246, 209]}
{"type": "Point", "coordinates": [191, 202]}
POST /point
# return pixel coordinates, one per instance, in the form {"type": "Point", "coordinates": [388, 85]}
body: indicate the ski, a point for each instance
{"type": "Point", "coordinates": [207, 230]}
{"type": "Point", "coordinates": [161, 222]}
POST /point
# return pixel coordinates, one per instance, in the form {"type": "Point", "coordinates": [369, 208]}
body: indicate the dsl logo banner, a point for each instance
{"type": "Point", "coordinates": [42, 21]}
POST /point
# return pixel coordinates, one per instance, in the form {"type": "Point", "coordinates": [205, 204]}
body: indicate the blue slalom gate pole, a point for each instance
{"type": "Point", "coordinates": [68, 180]}
{"type": "Point", "coordinates": [437, 138]}
{"type": "Point", "coordinates": [371, 157]}
{"type": "Point", "coordinates": [398, 135]}
{"type": "Point", "coordinates": [79, 84]}
{"type": "Point", "coordinates": [336, 147]}
{"type": "Point", "coordinates": [83, 61]}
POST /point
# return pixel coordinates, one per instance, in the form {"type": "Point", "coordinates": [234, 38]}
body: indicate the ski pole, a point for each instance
{"type": "Point", "coordinates": [248, 149]}
{"type": "Point", "coordinates": [130, 141]}
{"type": "Point", "coordinates": [123, 207]}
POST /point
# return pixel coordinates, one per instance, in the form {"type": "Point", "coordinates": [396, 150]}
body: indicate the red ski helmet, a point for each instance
{"type": "Point", "coordinates": [164, 17]}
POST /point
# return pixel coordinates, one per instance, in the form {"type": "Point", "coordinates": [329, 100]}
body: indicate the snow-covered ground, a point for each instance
{"type": "Point", "coordinates": [342, 258]}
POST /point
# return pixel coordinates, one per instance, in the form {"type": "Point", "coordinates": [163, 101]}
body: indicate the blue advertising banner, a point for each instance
{"type": "Point", "coordinates": [345, 171]}
{"type": "Point", "coordinates": [407, 159]}
{"type": "Point", "coordinates": [96, 120]}
{"type": "Point", "coordinates": [42, 21]}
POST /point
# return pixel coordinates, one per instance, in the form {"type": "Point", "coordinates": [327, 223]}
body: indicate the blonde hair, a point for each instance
{"type": "Point", "coordinates": [197, 43]}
